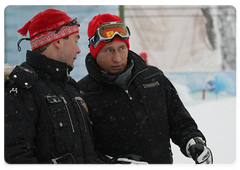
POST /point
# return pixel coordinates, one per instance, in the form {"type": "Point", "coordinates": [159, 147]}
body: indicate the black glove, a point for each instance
{"type": "Point", "coordinates": [128, 159]}
{"type": "Point", "coordinates": [196, 149]}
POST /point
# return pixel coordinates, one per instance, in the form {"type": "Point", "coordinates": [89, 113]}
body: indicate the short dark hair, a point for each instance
{"type": "Point", "coordinates": [43, 48]}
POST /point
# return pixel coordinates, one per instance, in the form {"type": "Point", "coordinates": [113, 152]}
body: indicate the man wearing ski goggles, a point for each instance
{"type": "Point", "coordinates": [107, 31]}
{"type": "Point", "coordinates": [134, 108]}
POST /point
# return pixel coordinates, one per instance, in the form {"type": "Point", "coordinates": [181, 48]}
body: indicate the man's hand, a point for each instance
{"type": "Point", "coordinates": [196, 149]}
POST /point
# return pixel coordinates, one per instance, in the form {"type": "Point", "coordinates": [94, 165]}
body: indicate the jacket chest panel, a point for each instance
{"type": "Point", "coordinates": [63, 108]}
{"type": "Point", "coordinates": [109, 106]}
{"type": "Point", "coordinates": [153, 98]}
{"type": "Point", "coordinates": [62, 127]}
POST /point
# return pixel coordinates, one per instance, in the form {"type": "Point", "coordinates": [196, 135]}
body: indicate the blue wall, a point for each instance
{"type": "Point", "coordinates": [211, 81]}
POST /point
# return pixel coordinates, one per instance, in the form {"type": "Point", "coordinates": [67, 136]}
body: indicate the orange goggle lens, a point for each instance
{"type": "Point", "coordinates": [109, 31]}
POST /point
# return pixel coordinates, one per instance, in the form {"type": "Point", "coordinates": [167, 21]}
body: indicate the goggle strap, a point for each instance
{"type": "Point", "coordinates": [96, 44]}
{"type": "Point", "coordinates": [93, 39]}
{"type": "Point", "coordinates": [128, 30]}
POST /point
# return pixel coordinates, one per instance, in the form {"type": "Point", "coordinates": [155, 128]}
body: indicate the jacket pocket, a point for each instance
{"type": "Point", "coordinates": [62, 128]}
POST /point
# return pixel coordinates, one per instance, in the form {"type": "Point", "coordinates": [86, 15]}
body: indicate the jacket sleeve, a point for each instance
{"type": "Point", "coordinates": [19, 126]}
{"type": "Point", "coordinates": [182, 125]}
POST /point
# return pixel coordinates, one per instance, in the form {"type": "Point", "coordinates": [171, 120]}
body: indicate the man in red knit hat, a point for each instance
{"type": "Point", "coordinates": [46, 119]}
{"type": "Point", "coordinates": [134, 108]}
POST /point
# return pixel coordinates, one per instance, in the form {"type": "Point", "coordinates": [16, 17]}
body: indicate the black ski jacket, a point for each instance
{"type": "Point", "coordinates": [140, 119]}
{"type": "Point", "coordinates": [46, 120]}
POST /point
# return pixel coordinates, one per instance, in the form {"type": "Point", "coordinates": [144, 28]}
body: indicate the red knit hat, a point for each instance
{"type": "Point", "coordinates": [96, 22]}
{"type": "Point", "coordinates": [48, 26]}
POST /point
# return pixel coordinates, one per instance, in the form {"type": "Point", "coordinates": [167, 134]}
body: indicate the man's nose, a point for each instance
{"type": "Point", "coordinates": [116, 57]}
{"type": "Point", "coordinates": [78, 50]}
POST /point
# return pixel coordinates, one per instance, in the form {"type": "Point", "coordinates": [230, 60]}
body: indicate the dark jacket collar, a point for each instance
{"type": "Point", "coordinates": [48, 68]}
{"type": "Point", "coordinates": [96, 73]}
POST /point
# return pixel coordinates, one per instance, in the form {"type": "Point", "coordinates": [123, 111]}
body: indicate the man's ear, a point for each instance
{"type": "Point", "coordinates": [56, 43]}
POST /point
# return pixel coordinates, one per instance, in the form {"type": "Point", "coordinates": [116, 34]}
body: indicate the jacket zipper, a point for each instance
{"type": "Point", "coordinates": [126, 90]}
{"type": "Point", "coordinates": [84, 122]}
{"type": "Point", "coordinates": [65, 102]}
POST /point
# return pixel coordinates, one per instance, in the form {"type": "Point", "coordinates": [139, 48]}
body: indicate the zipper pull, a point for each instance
{"type": "Point", "coordinates": [54, 161]}
{"type": "Point", "coordinates": [127, 92]}
{"type": "Point", "coordinates": [68, 75]}
{"type": "Point", "coordinates": [65, 102]}
{"type": "Point", "coordinates": [69, 116]}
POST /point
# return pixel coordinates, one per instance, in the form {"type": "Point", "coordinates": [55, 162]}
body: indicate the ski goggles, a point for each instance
{"type": "Point", "coordinates": [107, 31]}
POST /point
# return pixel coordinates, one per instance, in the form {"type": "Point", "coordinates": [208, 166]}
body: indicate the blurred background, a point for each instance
{"type": "Point", "coordinates": [199, 42]}
{"type": "Point", "coordinates": [195, 46]}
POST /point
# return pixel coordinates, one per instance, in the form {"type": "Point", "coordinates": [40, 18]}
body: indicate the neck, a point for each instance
{"type": "Point", "coordinates": [51, 52]}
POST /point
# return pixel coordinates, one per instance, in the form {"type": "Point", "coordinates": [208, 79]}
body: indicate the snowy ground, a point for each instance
{"type": "Point", "coordinates": [217, 120]}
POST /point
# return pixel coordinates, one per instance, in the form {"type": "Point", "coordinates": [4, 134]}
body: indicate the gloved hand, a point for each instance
{"type": "Point", "coordinates": [196, 149]}
{"type": "Point", "coordinates": [128, 159]}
